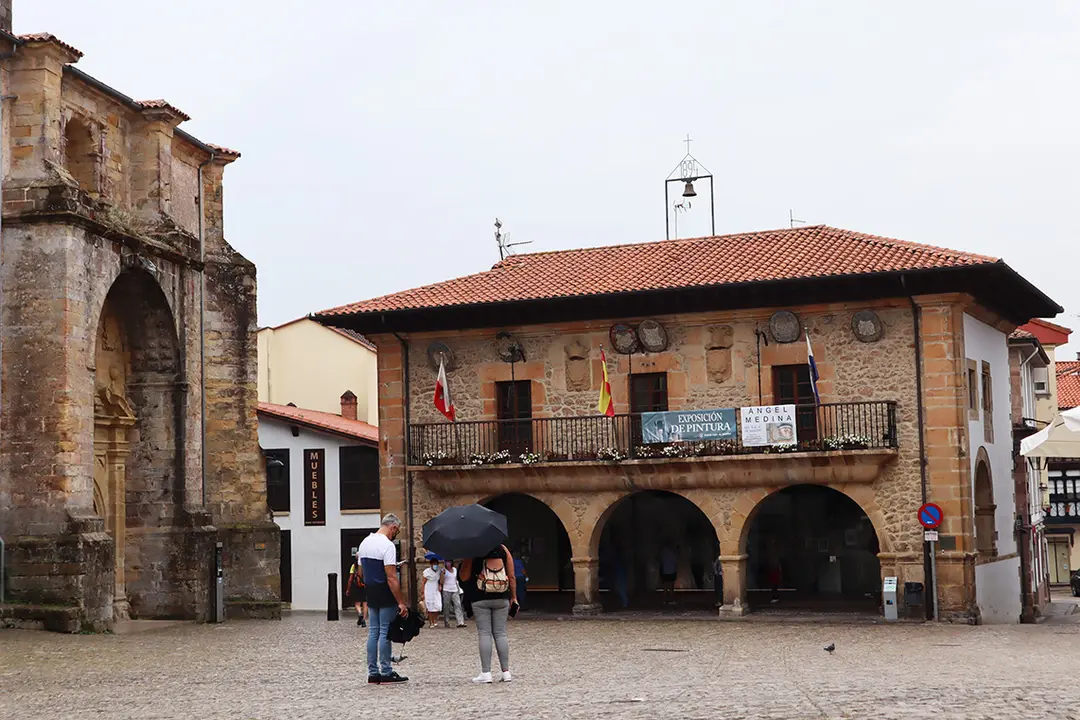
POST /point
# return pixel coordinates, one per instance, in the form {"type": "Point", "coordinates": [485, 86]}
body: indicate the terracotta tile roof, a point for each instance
{"type": "Point", "coordinates": [221, 150]}
{"type": "Point", "coordinates": [49, 37]}
{"type": "Point", "coordinates": [787, 254]}
{"type": "Point", "coordinates": [327, 422]}
{"type": "Point", "coordinates": [355, 337]}
{"type": "Point", "coordinates": [162, 105]}
{"type": "Point", "coordinates": [1021, 334]}
{"type": "Point", "coordinates": [1068, 384]}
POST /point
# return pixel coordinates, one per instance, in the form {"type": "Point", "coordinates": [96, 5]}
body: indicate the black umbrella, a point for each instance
{"type": "Point", "coordinates": [465, 532]}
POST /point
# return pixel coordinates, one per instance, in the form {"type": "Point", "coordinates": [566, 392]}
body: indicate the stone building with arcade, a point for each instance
{"type": "Point", "coordinates": [910, 345]}
{"type": "Point", "coordinates": [128, 431]}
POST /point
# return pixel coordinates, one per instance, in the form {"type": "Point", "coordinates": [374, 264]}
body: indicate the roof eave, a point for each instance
{"type": "Point", "coordinates": [834, 287]}
{"type": "Point", "coordinates": [289, 420]}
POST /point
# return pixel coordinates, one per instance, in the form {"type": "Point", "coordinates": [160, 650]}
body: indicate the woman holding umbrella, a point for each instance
{"type": "Point", "coordinates": [479, 534]}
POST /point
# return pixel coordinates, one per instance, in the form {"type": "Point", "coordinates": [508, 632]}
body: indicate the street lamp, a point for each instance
{"type": "Point", "coordinates": [687, 172]}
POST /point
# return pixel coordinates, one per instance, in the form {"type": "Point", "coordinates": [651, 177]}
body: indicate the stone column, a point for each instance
{"type": "Point", "coordinates": [116, 465]}
{"type": "Point", "coordinates": [586, 585]}
{"type": "Point", "coordinates": [734, 585]}
{"type": "Point", "coordinates": [112, 447]}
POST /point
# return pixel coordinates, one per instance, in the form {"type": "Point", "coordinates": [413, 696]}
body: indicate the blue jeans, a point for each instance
{"type": "Point", "coordinates": [521, 589]}
{"type": "Point", "coordinates": [378, 644]}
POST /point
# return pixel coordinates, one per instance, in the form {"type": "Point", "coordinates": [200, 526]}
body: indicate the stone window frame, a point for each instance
{"type": "Point", "coordinates": [986, 382]}
{"type": "Point", "coordinates": [973, 390]}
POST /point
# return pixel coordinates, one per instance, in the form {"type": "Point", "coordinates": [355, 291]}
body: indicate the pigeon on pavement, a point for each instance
{"type": "Point", "coordinates": [830, 648]}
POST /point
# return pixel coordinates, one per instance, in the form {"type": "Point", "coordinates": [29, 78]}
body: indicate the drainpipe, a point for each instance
{"type": "Point", "coordinates": [916, 323]}
{"type": "Point", "coordinates": [202, 324]}
{"type": "Point", "coordinates": [408, 475]}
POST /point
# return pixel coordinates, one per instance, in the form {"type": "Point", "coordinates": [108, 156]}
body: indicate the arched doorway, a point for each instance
{"type": "Point", "coordinates": [138, 441]}
{"type": "Point", "coordinates": [812, 547]}
{"type": "Point", "coordinates": [538, 536]}
{"type": "Point", "coordinates": [985, 509]}
{"type": "Point", "coordinates": [643, 536]}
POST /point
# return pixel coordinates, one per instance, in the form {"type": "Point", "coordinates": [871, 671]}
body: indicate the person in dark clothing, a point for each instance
{"type": "Point", "coordinates": [718, 580]}
{"type": "Point", "coordinates": [522, 579]}
{"type": "Point", "coordinates": [492, 588]}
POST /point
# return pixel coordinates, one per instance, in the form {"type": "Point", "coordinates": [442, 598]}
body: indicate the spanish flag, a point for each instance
{"type": "Point", "coordinates": [606, 406]}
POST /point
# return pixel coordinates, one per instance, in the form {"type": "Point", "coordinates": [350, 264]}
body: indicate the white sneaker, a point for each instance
{"type": "Point", "coordinates": [484, 677]}
{"type": "Point", "coordinates": [506, 676]}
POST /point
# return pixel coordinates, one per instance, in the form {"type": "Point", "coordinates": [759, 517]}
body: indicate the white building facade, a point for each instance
{"type": "Point", "coordinates": [990, 448]}
{"type": "Point", "coordinates": [323, 491]}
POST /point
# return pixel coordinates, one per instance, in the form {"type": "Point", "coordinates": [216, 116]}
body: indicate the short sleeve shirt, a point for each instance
{"type": "Point", "coordinates": [450, 580]}
{"type": "Point", "coordinates": [375, 553]}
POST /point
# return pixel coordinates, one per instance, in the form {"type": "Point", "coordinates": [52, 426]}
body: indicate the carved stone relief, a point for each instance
{"type": "Point", "coordinates": [113, 419]}
{"type": "Point", "coordinates": [718, 353]}
{"type": "Point", "coordinates": [577, 366]}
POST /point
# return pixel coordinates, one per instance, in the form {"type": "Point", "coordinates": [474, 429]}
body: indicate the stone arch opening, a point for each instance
{"type": "Point", "coordinates": [81, 153]}
{"type": "Point", "coordinates": [539, 538]}
{"type": "Point", "coordinates": [811, 547]}
{"type": "Point", "coordinates": [642, 538]}
{"type": "Point", "coordinates": [139, 406]}
{"type": "Point", "coordinates": [985, 509]}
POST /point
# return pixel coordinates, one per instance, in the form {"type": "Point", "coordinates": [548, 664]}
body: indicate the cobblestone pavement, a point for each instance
{"type": "Point", "coordinates": [305, 667]}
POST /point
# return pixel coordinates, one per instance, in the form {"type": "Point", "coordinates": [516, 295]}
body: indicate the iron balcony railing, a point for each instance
{"type": "Point", "coordinates": [826, 427]}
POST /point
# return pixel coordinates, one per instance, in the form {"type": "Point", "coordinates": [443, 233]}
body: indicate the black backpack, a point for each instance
{"type": "Point", "coordinates": [404, 629]}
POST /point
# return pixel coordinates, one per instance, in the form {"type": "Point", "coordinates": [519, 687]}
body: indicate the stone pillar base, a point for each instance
{"type": "Point", "coordinates": [588, 609]}
{"type": "Point", "coordinates": [62, 581]}
{"type": "Point", "coordinates": [736, 609]}
{"type": "Point", "coordinates": [121, 611]}
{"type": "Point", "coordinates": [252, 570]}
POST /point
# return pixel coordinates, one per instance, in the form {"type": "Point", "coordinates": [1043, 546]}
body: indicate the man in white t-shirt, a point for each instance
{"type": "Point", "coordinates": [378, 560]}
{"type": "Point", "coordinates": [451, 596]}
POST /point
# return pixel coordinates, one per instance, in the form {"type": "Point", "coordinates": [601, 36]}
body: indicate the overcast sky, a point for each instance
{"type": "Point", "coordinates": [380, 140]}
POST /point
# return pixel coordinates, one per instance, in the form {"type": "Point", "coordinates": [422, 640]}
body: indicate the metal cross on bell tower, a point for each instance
{"type": "Point", "coordinates": [688, 171]}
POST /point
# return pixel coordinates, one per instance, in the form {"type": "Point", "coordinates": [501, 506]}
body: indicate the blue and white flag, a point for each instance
{"type": "Point", "coordinates": [813, 368]}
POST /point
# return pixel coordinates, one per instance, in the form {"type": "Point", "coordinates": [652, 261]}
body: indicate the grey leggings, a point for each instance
{"type": "Point", "coordinates": [491, 621]}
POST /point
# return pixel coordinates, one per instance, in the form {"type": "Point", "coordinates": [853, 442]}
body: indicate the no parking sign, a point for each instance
{"type": "Point", "coordinates": [930, 516]}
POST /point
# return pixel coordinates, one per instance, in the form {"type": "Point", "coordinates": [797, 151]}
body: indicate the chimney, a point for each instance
{"type": "Point", "coordinates": [348, 405]}
{"type": "Point", "coordinates": [5, 15]}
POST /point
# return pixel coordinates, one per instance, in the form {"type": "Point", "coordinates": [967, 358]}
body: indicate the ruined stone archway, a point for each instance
{"type": "Point", "coordinates": [139, 408]}
{"type": "Point", "coordinates": [811, 546]}
{"type": "Point", "coordinates": [538, 535]}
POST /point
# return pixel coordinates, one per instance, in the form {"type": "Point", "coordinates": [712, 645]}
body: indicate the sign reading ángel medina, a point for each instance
{"type": "Point", "coordinates": [684, 425]}
{"type": "Point", "coordinates": [768, 425]}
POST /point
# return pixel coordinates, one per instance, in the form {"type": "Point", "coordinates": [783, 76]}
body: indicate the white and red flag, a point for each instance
{"type": "Point", "coordinates": [443, 402]}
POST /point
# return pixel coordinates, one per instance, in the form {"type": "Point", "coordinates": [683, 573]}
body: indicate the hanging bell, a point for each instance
{"type": "Point", "coordinates": [689, 190]}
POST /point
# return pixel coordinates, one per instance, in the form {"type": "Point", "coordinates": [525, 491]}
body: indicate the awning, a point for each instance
{"type": "Point", "coordinates": [1061, 438]}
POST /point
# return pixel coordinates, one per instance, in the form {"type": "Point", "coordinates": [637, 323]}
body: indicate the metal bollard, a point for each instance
{"type": "Point", "coordinates": [218, 589]}
{"type": "Point", "coordinates": [331, 597]}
